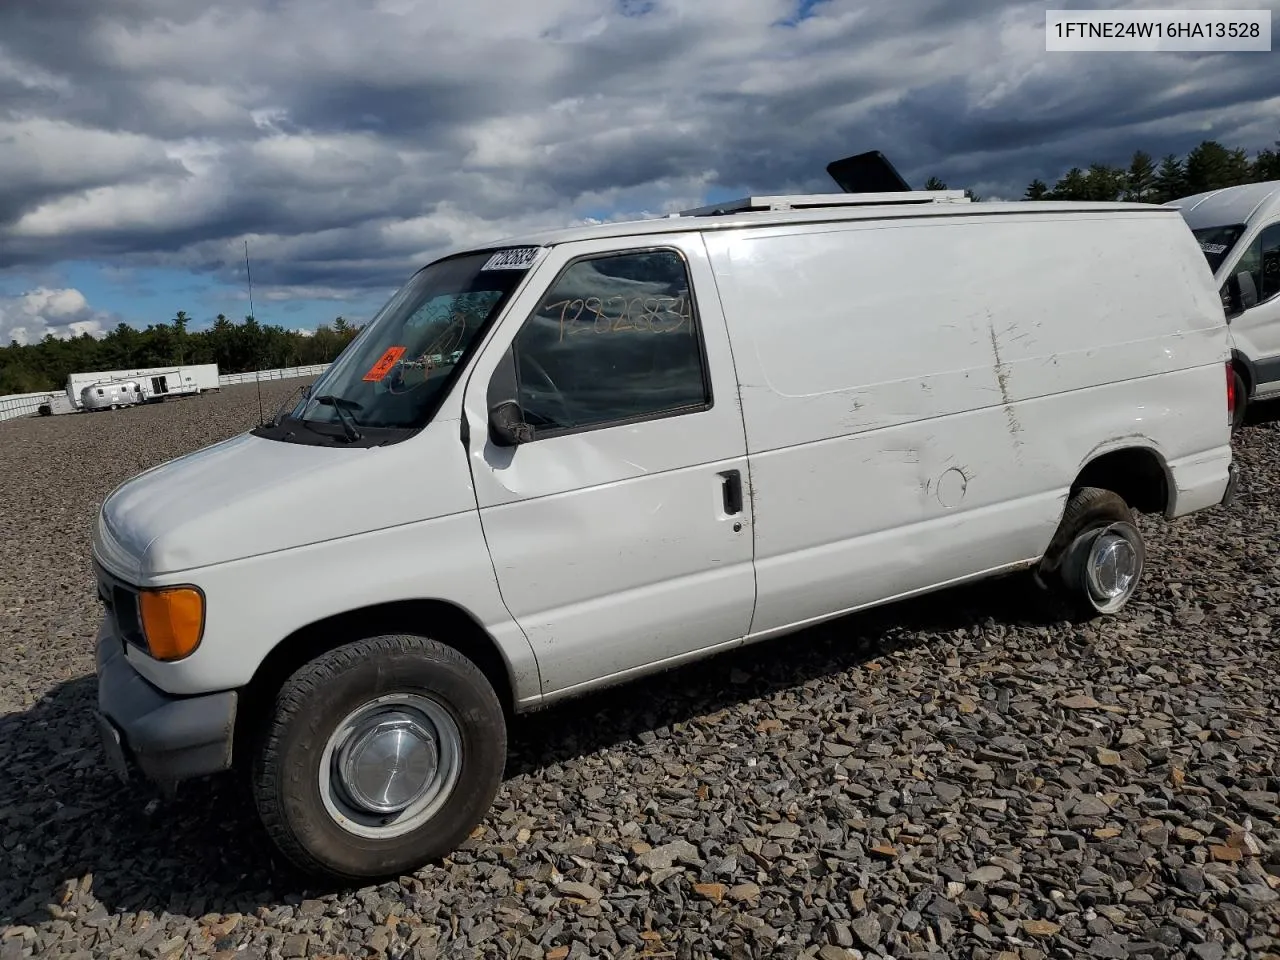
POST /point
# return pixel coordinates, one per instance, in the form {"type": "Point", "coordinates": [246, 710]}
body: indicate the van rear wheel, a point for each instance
{"type": "Point", "coordinates": [1096, 559]}
{"type": "Point", "coordinates": [380, 756]}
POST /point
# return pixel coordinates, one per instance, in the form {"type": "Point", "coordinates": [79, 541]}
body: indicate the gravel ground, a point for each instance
{"type": "Point", "coordinates": [952, 776]}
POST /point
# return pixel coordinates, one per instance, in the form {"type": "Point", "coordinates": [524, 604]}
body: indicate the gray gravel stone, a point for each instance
{"type": "Point", "coordinates": [1255, 896]}
{"type": "Point", "coordinates": [989, 874]}
{"type": "Point", "coordinates": [574, 888]}
{"type": "Point", "coordinates": [664, 857]}
{"type": "Point", "coordinates": [1090, 807]}
{"type": "Point", "coordinates": [867, 930]}
{"type": "Point", "coordinates": [1209, 950]}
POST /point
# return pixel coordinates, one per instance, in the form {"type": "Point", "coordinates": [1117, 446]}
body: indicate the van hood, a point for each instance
{"type": "Point", "coordinates": [244, 497]}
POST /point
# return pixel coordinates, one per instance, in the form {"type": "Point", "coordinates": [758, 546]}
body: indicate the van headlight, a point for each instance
{"type": "Point", "coordinates": [172, 620]}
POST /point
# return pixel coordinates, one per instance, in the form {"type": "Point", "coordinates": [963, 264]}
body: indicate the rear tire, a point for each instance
{"type": "Point", "coordinates": [380, 756]}
{"type": "Point", "coordinates": [1095, 561]}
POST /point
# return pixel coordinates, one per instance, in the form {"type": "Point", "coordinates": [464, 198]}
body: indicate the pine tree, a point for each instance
{"type": "Point", "coordinates": [1171, 180]}
{"type": "Point", "coordinates": [1074, 185]}
{"type": "Point", "coordinates": [1103, 183]}
{"type": "Point", "coordinates": [1266, 166]}
{"type": "Point", "coordinates": [1209, 167]}
{"type": "Point", "coordinates": [1140, 178]}
{"type": "Point", "coordinates": [1037, 190]}
{"type": "Point", "coordinates": [1238, 169]}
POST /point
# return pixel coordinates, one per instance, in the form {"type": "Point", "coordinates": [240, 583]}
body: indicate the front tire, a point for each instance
{"type": "Point", "coordinates": [380, 756]}
{"type": "Point", "coordinates": [1097, 555]}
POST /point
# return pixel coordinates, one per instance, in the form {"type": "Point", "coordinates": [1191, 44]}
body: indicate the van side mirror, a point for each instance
{"type": "Point", "coordinates": [1239, 293]}
{"type": "Point", "coordinates": [506, 424]}
{"type": "Point", "coordinates": [1230, 293]}
{"type": "Point", "coordinates": [1248, 290]}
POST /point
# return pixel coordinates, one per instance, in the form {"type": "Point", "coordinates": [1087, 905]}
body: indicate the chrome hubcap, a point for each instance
{"type": "Point", "coordinates": [390, 765]}
{"type": "Point", "coordinates": [1112, 568]}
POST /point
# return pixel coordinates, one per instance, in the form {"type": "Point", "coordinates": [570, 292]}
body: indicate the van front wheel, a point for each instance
{"type": "Point", "coordinates": [380, 756]}
{"type": "Point", "coordinates": [1098, 554]}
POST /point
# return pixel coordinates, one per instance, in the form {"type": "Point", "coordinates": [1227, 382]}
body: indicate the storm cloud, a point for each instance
{"type": "Point", "coordinates": [351, 140]}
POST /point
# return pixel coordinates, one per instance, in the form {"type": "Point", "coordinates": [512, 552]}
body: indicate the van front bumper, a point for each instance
{"type": "Point", "coordinates": [166, 738]}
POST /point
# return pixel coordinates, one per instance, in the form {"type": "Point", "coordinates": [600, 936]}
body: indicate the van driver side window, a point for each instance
{"type": "Point", "coordinates": [615, 340]}
{"type": "Point", "coordinates": [1270, 285]}
{"type": "Point", "coordinates": [1262, 261]}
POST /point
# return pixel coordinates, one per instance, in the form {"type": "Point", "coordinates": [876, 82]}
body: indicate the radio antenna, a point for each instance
{"type": "Point", "coordinates": [257, 374]}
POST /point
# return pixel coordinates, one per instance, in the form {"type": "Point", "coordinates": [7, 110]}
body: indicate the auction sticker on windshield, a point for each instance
{"type": "Point", "coordinates": [517, 258]}
{"type": "Point", "coordinates": [384, 364]}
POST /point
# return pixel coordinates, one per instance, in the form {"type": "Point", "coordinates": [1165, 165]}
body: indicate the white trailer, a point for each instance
{"type": "Point", "coordinates": [157, 383]}
{"type": "Point", "coordinates": [55, 403]}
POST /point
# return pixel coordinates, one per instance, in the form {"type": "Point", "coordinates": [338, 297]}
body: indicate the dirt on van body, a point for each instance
{"type": "Point", "coordinates": [953, 776]}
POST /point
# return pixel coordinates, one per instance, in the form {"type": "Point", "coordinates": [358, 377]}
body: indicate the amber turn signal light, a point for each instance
{"type": "Point", "coordinates": [172, 620]}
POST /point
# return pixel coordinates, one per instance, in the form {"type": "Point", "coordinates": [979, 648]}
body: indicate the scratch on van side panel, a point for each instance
{"type": "Point", "coordinates": [1002, 377]}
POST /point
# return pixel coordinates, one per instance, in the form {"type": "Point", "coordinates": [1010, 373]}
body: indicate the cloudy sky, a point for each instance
{"type": "Point", "coordinates": [141, 141]}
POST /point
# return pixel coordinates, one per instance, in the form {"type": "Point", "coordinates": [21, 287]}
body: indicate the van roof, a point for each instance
{"type": "Point", "coordinates": [838, 211]}
{"type": "Point", "coordinates": [1229, 205]}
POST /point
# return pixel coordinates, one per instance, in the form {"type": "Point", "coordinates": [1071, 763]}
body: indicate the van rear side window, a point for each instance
{"type": "Point", "coordinates": [615, 340]}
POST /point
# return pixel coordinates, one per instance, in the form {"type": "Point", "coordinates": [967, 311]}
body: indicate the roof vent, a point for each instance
{"type": "Point", "coordinates": [867, 179]}
{"type": "Point", "coordinates": [813, 201]}
{"type": "Point", "coordinates": [869, 172]}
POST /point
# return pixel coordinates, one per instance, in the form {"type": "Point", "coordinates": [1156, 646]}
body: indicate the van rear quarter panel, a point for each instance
{"type": "Point", "coordinates": [920, 393]}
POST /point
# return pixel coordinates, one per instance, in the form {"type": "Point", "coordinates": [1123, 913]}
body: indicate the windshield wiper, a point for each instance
{"type": "Point", "coordinates": [342, 408]}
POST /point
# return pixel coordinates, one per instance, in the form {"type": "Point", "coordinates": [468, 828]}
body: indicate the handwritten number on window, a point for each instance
{"type": "Point", "coordinates": [619, 314]}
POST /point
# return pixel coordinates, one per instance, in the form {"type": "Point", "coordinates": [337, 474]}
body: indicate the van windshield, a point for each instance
{"type": "Point", "coordinates": [1216, 242]}
{"type": "Point", "coordinates": [394, 374]}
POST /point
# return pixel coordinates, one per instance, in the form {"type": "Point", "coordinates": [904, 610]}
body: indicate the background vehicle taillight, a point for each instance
{"type": "Point", "coordinates": [1231, 392]}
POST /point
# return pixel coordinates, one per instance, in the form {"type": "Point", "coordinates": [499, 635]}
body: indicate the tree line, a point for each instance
{"type": "Point", "coordinates": [1209, 166]}
{"type": "Point", "coordinates": [234, 347]}
{"type": "Point", "coordinates": [247, 346]}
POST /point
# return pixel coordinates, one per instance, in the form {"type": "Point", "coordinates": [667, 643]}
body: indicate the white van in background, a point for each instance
{"type": "Point", "coordinates": [1239, 231]}
{"type": "Point", "coordinates": [566, 460]}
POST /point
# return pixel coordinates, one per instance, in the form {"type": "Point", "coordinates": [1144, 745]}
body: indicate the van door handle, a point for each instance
{"type": "Point", "coordinates": [732, 490]}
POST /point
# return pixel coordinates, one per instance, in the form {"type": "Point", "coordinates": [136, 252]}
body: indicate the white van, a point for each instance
{"type": "Point", "coordinates": [1239, 231]}
{"type": "Point", "coordinates": [568, 459]}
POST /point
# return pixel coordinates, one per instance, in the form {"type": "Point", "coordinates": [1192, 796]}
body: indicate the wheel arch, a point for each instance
{"type": "Point", "coordinates": [438, 619]}
{"type": "Point", "coordinates": [1133, 469]}
{"type": "Point", "coordinates": [1248, 373]}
